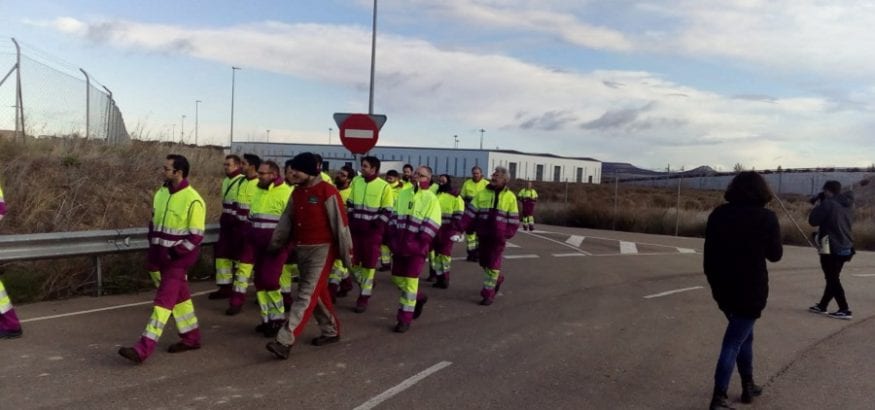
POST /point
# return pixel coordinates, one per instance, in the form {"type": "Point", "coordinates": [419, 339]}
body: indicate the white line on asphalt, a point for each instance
{"type": "Point", "coordinates": [530, 256]}
{"type": "Point", "coordinates": [555, 241]}
{"type": "Point", "coordinates": [511, 245]}
{"type": "Point", "coordinates": [863, 275]}
{"type": "Point", "coordinates": [671, 292]}
{"type": "Point", "coordinates": [686, 250]}
{"type": "Point", "coordinates": [84, 312]}
{"type": "Point", "coordinates": [628, 247]}
{"type": "Point", "coordinates": [388, 394]}
{"type": "Point", "coordinates": [574, 240]}
{"type": "Point", "coordinates": [566, 255]}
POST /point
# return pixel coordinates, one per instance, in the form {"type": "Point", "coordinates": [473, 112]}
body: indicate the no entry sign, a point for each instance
{"type": "Point", "coordinates": [359, 132]}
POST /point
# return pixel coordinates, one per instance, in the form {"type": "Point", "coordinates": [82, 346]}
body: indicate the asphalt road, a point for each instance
{"type": "Point", "coordinates": [585, 320]}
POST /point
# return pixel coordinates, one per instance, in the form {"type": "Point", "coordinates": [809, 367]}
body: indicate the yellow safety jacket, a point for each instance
{"type": "Point", "coordinates": [369, 204]}
{"type": "Point", "coordinates": [245, 192]}
{"type": "Point", "coordinates": [493, 214]}
{"type": "Point", "coordinates": [230, 190]}
{"type": "Point", "coordinates": [178, 220]}
{"type": "Point", "coordinates": [471, 188]}
{"type": "Point", "coordinates": [414, 223]}
{"type": "Point", "coordinates": [268, 204]}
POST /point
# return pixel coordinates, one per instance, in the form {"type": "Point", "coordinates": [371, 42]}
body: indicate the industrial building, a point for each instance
{"type": "Point", "coordinates": [452, 161]}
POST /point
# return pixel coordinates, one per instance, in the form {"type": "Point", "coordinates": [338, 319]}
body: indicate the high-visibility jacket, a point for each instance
{"type": "Point", "coordinates": [434, 188]}
{"type": "Point", "coordinates": [325, 177]}
{"type": "Point", "coordinates": [414, 223]}
{"type": "Point", "coordinates": [471, 188]}
{"type": "Point", "coordinates": [245, 193]}
{"type": "Point", "coordinates": [178, 222]}
{"type": "Point", "coordinates": [527, 194]}
{"type": "Point", "coordinates": [2, 205]}
{"type": "Point", "coordinates": [344, 194]}
{"type": "Point", "coordinates": [230, 188]}
{"type": "Point", "coordinates": [452, 209]}
{"type": "Point", "coordinates": [369, 205]}
{"type": "Point", "coordinates": [493, 214]}
{"type": "Point", "coordinates": [267, 206]}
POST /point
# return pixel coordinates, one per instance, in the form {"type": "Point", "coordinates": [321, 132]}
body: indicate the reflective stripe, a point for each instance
{"type": "Point", "coordinates": [269, 217]}
{"type": "Point", "coordinates": [264, 225]}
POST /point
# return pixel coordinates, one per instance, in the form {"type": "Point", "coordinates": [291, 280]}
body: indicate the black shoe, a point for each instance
{"type": "Point", "coordinates": [432, 275]}
{"type": "Point", "coordinates": [817, 309]}
{"type": "Point", "coordinates": [325, 340]}
{"type": "Point", "coordinates": [279, 350]}
{"type": "Point", "coordinates": [486, 301]}
{"type": "Point", "coordinates": [401, 327]}
{"type": "Point", "coordinates": [441, 283]}
{"type": "Point", "coordinates": [261, 327]}
{"type": "Point", "coordinates": [841, 314]}
{"type": "Point", "coordinates": [180, 347]}
{"type": "Point", "coordinates": [233, 310]}
{"type": "Point", "coordinates": [219, 294]}
{"type": "Point", "coordinates": [420, 303]}
{"type": "Point", "coordinates": [130, 354]}
{"type": "Point", "coordinates": [10, 334]}
{"type": "Point", "coordinates": [749, 390]}
{"type": "Point", "coordinates": [720, 401]}
{"type": "Point", "coordinates": [272, 328]}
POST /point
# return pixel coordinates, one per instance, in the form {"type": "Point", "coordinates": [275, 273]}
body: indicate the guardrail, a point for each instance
{"type": "Point", "coordinates": [14, 248]}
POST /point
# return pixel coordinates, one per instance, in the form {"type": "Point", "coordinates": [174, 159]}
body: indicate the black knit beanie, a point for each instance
{"type": "Point", "coordinates": [306, 163]}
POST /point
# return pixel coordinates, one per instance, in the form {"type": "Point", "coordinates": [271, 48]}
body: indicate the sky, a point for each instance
{"type": "Point", "coordinates": [658, 84]}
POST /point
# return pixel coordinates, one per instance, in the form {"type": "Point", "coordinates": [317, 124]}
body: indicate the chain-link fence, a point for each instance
{"type": "Point", "coordinates": [43, 97]}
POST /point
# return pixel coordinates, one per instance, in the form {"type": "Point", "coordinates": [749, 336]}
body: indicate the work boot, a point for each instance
{"type": "Point", "coordinates": [10, 334]}
{"type": "Point", "coordinates": [531, 227]}
{"type": "Point", "coordinates": [361, 305]}
{"type": "Point", "coordinates": [180, 347]}
{"type": "Point", "coordinates": [420, 304]}
{"type": "Point", "coordinates": [749, 390]}
{"type": "Point", "coordinates": [442, 282]}
{"type": "Point", "coordinates": [222, 293]}
{"type": "Point", "coordinates": [325, 340]}
{"type": "Point", "coordinates": [273, 327]}
{"type": "Point", "coordinates": [384, 268]}
{"type": "Point", "coordinates": [486, 301]}
{"type": "Point", "coordinates": [131, 354]}
{"type": "Point", "coordinates": [262, 327]}
{"type": "Point", "coordinates": [345, 287]}
{"type": "Point", "coordinates": [498, 283]}
{"type": "Point", "coordinates": [432, 275]}
{"type": "Point", "coordinates": [402, 327]}
{"type": "Point", "coordinates": [233, 310]}
{"type": "Point", "coordinates": [719, 401]}
{"type": "Point", "coordinates": [279, 350]}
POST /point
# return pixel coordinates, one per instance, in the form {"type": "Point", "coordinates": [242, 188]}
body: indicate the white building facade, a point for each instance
{"type": "Point", "coordinates": [456, 162]}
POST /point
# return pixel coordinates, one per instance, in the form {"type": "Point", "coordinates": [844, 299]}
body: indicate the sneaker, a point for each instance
{"type": "Point", "coordinates": [10, 334]}
{"type": "Point", "coordinates": [817, 309]}
{"type": "Point", "coordinates": [279, 350]}
{"type": "Point", "coordinates": [841, 314]}
{"type": "Point", "coordinates": [325, 340]}
{"type": "Point", "coordinates": [180, 347]}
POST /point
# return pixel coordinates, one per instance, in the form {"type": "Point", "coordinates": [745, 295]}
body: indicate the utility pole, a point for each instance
{"type": "Point", "coordinates": [233, 78]}
{"type": "Point", "coordinates": [455, 141]}
{"type": "Point", "coordinates": [373, 59]}
{"type": "Point", "coordinates": [182, 130]}
{"type": "Point", "coordinates": [329, 135]}
{"type": "Point", "coordinates": [481, 137]}
{"type": "Point", "coordinates": [268, 135]}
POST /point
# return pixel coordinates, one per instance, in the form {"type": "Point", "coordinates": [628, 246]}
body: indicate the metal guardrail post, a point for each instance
{"type": "Point", "coordinates": [99, 273]}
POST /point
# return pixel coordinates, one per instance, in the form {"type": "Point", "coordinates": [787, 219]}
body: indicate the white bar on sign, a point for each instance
{"type": "Point", "coordinates": [363, 134]}
{"type": "Point", "coordinates": [574, 240]}
{"type": "Point", "coordinates": [628, 247]}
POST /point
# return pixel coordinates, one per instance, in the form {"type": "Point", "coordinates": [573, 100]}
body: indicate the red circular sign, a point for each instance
{"type": "Point", "coordinates": [359, 133]}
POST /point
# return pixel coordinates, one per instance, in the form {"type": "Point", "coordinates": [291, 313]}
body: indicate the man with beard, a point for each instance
{"type": "Point", "coordinates": [227, 248]}
{"type": "Point", "coordinates": [470, 189]}
{"type": "Point", "coordinates": [316, 223]}
{"type": "Point", "coordinates": [452, 209]}
{"type": "Point", "coordinates": [175, 234]}
{"type": "Point", "coordinates": [415, 221]}
{"type": "Point", "coordinates": [494, 216]}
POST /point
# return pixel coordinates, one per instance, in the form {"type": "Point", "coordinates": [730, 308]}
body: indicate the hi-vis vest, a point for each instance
{"type": "Point", "coordinates": [452, 207]}
{"type": "Point", "coordinates": [344, 194]}
{"type": "Point", "coordinates": [370, 201]}
{"type": "Point", "coordinates": [178, 219]}
{"type": "Point", "coordinates": [244, 198]}
{"type": "Point", "coordinates": [527, 193]}
{"type": "Point", "coordinates": [230, 189]}
{"type": "Point", "coordinates": [471, 188]}
{"type": "Point", "coordinates": [268, 205]}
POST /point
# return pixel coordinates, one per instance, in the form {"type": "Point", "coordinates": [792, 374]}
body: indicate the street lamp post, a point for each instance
{"type": "Point", "coordinates": [329, 135]}
{"type": "Point", "coordinates": [233, 79]}
{"type": "Point", "coordinates": [481, 137]}
{"type": "Point", "coordinates": [268, 135]}
{"type": "Point", "coordinates": [173, 133]}
{"type": "Point", "coordinates": [196, 102]}
{"type": "Point", "coordinates": [455, 141]}
{"type": "Point", "coordinates": [182, 130]}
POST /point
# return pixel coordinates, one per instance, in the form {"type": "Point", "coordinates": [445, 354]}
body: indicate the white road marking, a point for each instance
{"type": "Point", "coordinates": [686, 250]}
{"type": "Point", "coordinates": [628, 247]}
{"type": "Point", "coordinates": [84, 312]}
{"type": "Point", "coordinates": [574, 240]}
{"type": "Point", "coordinates": [530, 256]}
{"type": "Point", "coordinates": [511, 245]}
{"type": "Point", "coordinates": [863, 275]}
{"type": "Point", "coordinates": [555, 241]}
{"type": "Point", "coordinates": [671, 292]}
{"type": "Point", "coordinates": [406, 384]}
{"type": "Point", "coordinates": [566, 255]}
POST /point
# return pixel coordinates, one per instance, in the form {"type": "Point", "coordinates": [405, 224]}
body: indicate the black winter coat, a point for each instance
{"type": "Point", "coordinates": [739, 239]}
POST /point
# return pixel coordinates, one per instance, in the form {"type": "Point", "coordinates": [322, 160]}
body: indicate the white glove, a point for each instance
{"type": "Point", "coordinates": [456, 238]}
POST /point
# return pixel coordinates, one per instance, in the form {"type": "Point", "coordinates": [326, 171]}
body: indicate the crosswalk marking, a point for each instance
{"type": "Point", "coordinates": [628, 247]}
{"type": "Point", "coordinates": [511, 245]}
{"type": "Point", "coordinates": [574, 240]}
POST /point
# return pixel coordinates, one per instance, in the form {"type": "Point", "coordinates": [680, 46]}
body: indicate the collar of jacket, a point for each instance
{"type": "Point", "coordinates": [370, 178]}
{"type": "Point", "coordinates": [182, 185]}
{"type": "Point", "coordinates": [235, 173]}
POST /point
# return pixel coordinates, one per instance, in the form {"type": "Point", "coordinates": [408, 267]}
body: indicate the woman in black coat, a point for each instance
{"type": "Point", "coordinates": [741, 235]}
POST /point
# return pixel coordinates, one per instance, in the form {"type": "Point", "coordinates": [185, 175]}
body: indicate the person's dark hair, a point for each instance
{"type": "Point", "coordinates": [253, 160]}
{"type": "Point", "coordinates": [272, 165]}
{"type": "Point", "coordinates": [288, 165]}
{"type": "Point", "coordinates": [477, 168]}
{"type": "Point", "coordinates": [373, 161]}
{"type": "Point", "coordinates": [318, 160]}
{"type": "Point", "coordinates": [833, 186]}
{"type": "Point", "coordinates": [407, 166]}
{"type": "Point", "coordinates": [748, 187]}
{"type": "Point", "coordinates": [180, 163]}
{"type": "Point", "coordinates": [448, 187]}
{"type": "Point", "coordinates": [234, 158]}
{"type": "Point", "coordinates": [349, 171]}
{"type": "Point", "coordinates": [392, 173]}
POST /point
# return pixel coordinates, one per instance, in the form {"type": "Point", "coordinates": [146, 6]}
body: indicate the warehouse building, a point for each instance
{"type": "Point", "coordinates": [452, 161]}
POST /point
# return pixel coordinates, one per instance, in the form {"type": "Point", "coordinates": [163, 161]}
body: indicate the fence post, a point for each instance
{"type": "Point", "coordinates": [87, 104]}
{"type": "Point", "coordinates": [99, 271]}
{"type": "Point", "coordinates": [616, 201]}
{"type": "Point", "coordinates": [19, 101]}
{"type": "Point", "coordinates": [677, 212]}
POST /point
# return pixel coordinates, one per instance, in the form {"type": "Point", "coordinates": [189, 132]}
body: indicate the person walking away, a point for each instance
{"type": "Point", "coordinates": [316, 221]}
{"type": "Point", "coordinates": [415, 221]}
{"type": "Point", "coordinates": [246, 258]}
{"type": "Point", "coordinates": [833, 215]}
{"type": "Point", "coordinates": [452, 209]}
{"type": "Point", "coordinates": [470, 188]}
{"type": "Point", "coordinates": [369, 207]}
{"type": "Point", "coordinates": [175, 234]}
{"type": "Point", "coordinates": [397, 185]}
{"type": "Point", "coordinates": [10, 327]}
{"type": "Point", "coordinates": [228, 246]}
{"type": "Point", "coordinates": [741, 235]}
{"type": "Point", "coordinates": [340, 281]}
{"type": "Point", "coordinates": [493, 215]}
{"type": "Point", "coordinates": [528, 196]}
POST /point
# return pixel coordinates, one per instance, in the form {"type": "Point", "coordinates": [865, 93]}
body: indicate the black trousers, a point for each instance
{"type": "Point", "coordinates": [832, 268]}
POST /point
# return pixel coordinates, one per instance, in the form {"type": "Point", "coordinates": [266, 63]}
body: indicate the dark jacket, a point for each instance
{"type": "Point", "coordinates": [739, 239]}
{"type": "Point", "coordinates": [833, 217]}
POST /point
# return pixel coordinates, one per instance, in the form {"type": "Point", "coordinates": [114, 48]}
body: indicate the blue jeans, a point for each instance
{"type": "Point", "coordinates": [737, 349]}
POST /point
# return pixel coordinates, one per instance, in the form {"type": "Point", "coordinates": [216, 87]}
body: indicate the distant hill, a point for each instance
{"type": "Point", "coordinates": [625, 170]}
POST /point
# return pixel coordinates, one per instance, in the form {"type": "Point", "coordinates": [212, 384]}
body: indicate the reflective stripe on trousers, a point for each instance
{"type": "Point", "coordinates": [490, 278]}
{"type": "Point", "coordinates": [365, 279]}
{"type": "Point", "coordinates": [473, 243]}
{"type": "Point", "coordinates": [385, 255]}
{"type": "Point", "coordinates": [271, 303]}
{"type": "Point", "coordinates": [289, 273]}
{"type": "Point", "coordinates": [224, 271]}
{"type": "Point", "coordinates": [338, 272]}
{"type": "Point", "coordinates": [243, 277]}
{"type": "Point", "coordinates": [440, 263]}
